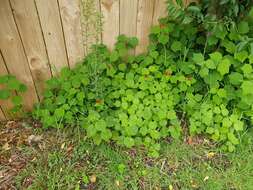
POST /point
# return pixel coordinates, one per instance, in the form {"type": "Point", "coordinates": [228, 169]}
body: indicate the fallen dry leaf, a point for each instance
{"type": "Point", "coordinates": [93, 178]}
{"type": "Point", "coordinates": [6, 146]}
{"type": "Point", "coordinates": [34, 139]}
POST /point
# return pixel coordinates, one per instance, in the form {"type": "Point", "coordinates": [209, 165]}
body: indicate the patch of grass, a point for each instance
{"type": "Point", "coordinates": [67, 163]}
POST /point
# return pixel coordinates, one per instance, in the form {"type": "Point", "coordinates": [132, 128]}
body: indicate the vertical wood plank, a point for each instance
{"type": "Point", "coordinates": [49, 15]}
{"type": "Point", "coordinates": [71, 21]}
{"type": "Point", "coordinates": [160, 10]}
{"type": "Point", "coordinates": [128, 17]}
{"type": "Point", "coordinates": [13, 53]}
{"type": "Point", "coordinates": [5, 105]}
{"type": "Point", "coordinates": [110, 11]}
{"type": "Point", "coordinates": [144, 22]}
{"type": "Point", "coordinates": [29, 28]}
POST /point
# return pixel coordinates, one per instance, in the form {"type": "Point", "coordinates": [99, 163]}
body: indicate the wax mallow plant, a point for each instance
{"type": "Point", "coordinates": [191, 79]}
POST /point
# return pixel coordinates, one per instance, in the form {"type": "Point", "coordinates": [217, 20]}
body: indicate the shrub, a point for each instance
{"type": "Point", "coordinates": [190, 78]}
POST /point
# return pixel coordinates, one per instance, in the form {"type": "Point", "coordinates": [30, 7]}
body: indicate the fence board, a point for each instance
{"type": "Point", "coordinates": [70, 14]}
{"type": "Point", "coordinates": [14, 54]}
{"type": "Point", "coordinates": [49, 15]}
{"type": "Point", "coordinates": [160, 10]}
{"type": "Point", "coordinates": [144, 22]}
{"type": "Point", "coordinates": [110, 11]}
{"type": "Point", "coordinates": [128, 17]}
{"type": "Point", "coordinates": [30, 31]}
{"type": "Point", "coordinates": [6, 104]}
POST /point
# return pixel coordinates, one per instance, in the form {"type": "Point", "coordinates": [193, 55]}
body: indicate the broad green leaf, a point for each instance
{"type": "Point", "coordinates": [106, 135]}
{"type": "Point", "coordinates": [243, 27]}
{"type": "Point", "coordinates": [232, 138]}
{"type": "Point", "coordinates": [203, 72]}
{"type": "Point", "coordinates": [128, 142]}
{"type": "Point", "coordinates": [59, 113]}
{"type": "Point", "coordinates": [224, 66]}
{"type": "Point", "coordinates": [241, 56]}
{"type": "Point", "coordinates": [198, 58]}
{"type": "Point", "coordinates": [4, 79]}
{"type": "Point", "coordinates": [210, 64]}
{"type": "Point", "coordinates": [247, 69]}
{"type": "Point", "coordinates": [235, 78]}
{"type": "Point", "coordinates": [163, 39]}
{"type": "Point", "coordinates": [16, 100]}
{"type": "Point", "coordinates": [122, 67]}
{"type": "Point", "coordinates": [176, 46]}
{"type": "Point", "coordinates": [13, 84]}
{"type": "Point", "coordinates": [216, 57]}
{"type": "Point", "coordinates": [155, 29]}
{"type": "Point", "coordinates": [114, 56]}
{"type": "Point", "coordinates": [251, 59]}
{"type": "Point", "coordinates": [238, 125]}
{"type": "Point", "coordinates": [247, 87]}
{"type": "Point", "coordinates": [133, 42]}
{"type": "Point", "coordinates": [4, 94]}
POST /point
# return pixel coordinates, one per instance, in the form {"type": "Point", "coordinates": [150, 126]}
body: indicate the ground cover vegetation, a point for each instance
{"type": "Point", "coordinates": [11, 90]}
{"type": "Point", "coordinates": [196, 76]}
{"type": "Point", "coordinates": [177, 117]}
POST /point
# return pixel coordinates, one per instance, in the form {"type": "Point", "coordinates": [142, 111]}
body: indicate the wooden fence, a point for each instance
{"type": "Point", "coordinates": [39, 37]}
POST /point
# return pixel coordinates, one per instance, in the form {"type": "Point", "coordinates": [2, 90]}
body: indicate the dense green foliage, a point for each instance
{"type": "Point", "coordinates": [11, 90]}
{"type": "Point", "coordinates": [191, 79]}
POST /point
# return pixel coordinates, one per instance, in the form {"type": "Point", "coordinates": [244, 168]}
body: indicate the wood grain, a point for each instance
{"type": "Point", "coordinates": [13, 53]}
{"type": "Point", "coordinates": [160, 10]}
{"type": "Point", "coordinates": [110, 11]}
{"type": "Point", "coordinates": [49, 15]}
{"type": "Point", "coordinates": [6, 104]}
{"type": "Point", "coordinates": [144, 22]}
{"type": "Point", "coordinates": [30, 31]}
{"type": "Point", "coordinates": [128, 17]}
{"type": "Point", "coordinates": [70, 14]}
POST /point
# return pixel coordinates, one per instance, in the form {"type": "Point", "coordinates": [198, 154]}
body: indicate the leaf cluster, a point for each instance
{"type": "Point", "coordinates": [191, 79]}
{"type": "Point", "coordinates": [11, 89]}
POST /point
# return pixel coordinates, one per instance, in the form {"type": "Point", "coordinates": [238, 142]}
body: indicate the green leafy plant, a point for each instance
{"type": "Point", "coordinates": [11, 88]}
{"type": "Point", "coordinates": [191, 79]}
